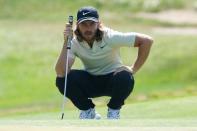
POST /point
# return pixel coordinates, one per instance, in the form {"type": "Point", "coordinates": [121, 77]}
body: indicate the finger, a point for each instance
{"type": "Point", "coordinates": [68, 25]}
{"type": "Point", "coordinates": [68, 32]}
{"type": "Point", "coordinates": [68, 29]}
{"type": "Point", "coordinates": [122, 69]}
{"type": "Point", "coordinates": [117, 71]}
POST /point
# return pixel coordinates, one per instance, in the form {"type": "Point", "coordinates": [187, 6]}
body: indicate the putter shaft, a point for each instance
{"type": "Point", "coordinates": [70, 20]}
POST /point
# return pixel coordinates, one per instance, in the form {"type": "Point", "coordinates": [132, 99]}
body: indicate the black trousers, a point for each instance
{"type": "Point", "coordinates": [81, 86]}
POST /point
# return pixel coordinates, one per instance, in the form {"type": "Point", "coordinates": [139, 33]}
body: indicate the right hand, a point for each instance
{"type": "Point", "coordinates": [68, 31]}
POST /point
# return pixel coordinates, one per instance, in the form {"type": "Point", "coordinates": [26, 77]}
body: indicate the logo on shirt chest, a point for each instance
{"type": "Point", "coordinates": [102, 46]}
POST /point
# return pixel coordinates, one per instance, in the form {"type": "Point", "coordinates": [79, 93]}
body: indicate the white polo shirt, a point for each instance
{"type": "Point", "coordinates": [104, 56]}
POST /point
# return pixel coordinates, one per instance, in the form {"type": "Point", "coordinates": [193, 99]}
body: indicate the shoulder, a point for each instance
{"type": "Point", "coordinates": [118, 39]}
{"type": "Point", "coordinates": [74, 44]}
{"type": "Point", "coordinates": [74, 40]}
{"type": "Point", "coordinates": [108, 32]}
{"type": "Point", "coordinates": [111, 33]}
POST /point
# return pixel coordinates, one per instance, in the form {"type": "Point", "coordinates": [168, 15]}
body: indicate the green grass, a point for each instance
{"type": "Point", "coordinates": [57, 10]}
{"type": "Point", "coordinates": [31, 38]}
{"type": "Point", "coordinates": [29, 51]}
{"type": "Point", "coordinates": [179, 112]}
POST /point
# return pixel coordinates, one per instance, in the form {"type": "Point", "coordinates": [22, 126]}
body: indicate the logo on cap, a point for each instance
{"type": "Point", "coordinates": [85, 13]}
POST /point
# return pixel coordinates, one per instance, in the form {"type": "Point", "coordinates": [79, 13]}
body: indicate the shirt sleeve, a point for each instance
{"type": "Point", "coordinates": [119, 39]}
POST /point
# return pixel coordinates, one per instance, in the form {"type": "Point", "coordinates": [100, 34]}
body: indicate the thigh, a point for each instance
{"type": "Point", "coordinates": [79, 76]}
{"type": "Point", "coordinates": [122, 81]}
{"type": "Point", "coordinates": [80, 80]}
{"type": "Point", "coordinates": [101, 85]}
{"type": "Point", "coordinates": [92, 85]}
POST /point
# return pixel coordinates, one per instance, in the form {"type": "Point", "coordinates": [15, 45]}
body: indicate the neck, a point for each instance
{"type": "Point", "coordinates": [90, 43]}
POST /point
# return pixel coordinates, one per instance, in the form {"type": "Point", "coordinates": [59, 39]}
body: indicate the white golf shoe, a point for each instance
{"type": "Point", "coordinates": [89, 114]}
{"type": "Point", "coordinates": [113, 114]}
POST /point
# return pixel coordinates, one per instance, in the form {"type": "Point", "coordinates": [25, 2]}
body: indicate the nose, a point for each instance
{"type": "Point", "coordinates": [88, 27]}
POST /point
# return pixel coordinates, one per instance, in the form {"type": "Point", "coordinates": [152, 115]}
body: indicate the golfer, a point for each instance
{"type": "Point", "coordinates": [104, 74]}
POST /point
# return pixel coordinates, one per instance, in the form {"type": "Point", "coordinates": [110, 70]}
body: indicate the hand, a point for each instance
{"type": "Point", "coordinates": [68, 31]}
{"type": "Point", "coordinates": [124, 68]}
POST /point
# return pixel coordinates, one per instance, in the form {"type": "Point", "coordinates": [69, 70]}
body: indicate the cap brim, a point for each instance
{"type": "Point", "coordinates": [88, 18]}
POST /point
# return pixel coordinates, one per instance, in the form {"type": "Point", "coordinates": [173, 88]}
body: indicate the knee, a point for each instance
{"type": "Point", "coordinates": [125, 79]}
{"type": "Point", "coordinates": [71, 85]}
{"type": "Point", "coordinates": [60, 82]}
{"type": "Point", "coordinates": [73, 75]}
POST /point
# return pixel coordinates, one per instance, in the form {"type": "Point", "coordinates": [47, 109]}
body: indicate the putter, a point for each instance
{"type": "Point", "coordinates": [70, 20]}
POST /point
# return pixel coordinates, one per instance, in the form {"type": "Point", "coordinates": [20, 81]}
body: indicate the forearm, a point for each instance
{"type": "Point", "coordinates": [61, 63]}
{"type": "Point", "coordinates": [143, 53]}
{"type": "Point", "coordinates": [60, 67]}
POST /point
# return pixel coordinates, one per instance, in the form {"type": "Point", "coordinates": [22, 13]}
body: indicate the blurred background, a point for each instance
{"type": "Point", "coordinates": [31, 37]}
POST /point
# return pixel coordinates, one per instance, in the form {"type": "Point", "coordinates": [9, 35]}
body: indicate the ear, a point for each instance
{"type": "Point", "coordinates": [99, 24]}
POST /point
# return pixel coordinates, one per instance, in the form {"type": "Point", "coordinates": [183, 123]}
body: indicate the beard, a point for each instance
{"type": "Point", "coordinates": [88, 35]}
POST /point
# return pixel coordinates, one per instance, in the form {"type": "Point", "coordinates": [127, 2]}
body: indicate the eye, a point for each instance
{"type": "Point", "coordinates": [83, 23]}
{"type": "Point", "coordinates": [88, 23]}
{"type": "Point", "coordinates": [92, 23]}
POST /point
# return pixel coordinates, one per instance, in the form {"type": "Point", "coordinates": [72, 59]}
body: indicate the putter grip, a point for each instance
{"type": "Point", "coordinates": [70, 20]}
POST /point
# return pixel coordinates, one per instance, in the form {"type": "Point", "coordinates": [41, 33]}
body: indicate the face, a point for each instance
{"type": "Point", "coordinates": [88, 29]}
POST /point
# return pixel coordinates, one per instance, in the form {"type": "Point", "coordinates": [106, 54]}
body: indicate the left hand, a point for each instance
{"type": "Point", "coordinates": [124, 68]}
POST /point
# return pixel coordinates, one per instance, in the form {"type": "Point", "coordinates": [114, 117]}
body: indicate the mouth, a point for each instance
{"type": "Point", "coordinates": [88, 33]}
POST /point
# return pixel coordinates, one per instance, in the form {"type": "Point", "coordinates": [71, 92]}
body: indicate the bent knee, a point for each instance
{"type": "Point", "coordinates": [125, 76]}
{"type": "Point", "coordinates": [60, 82]}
